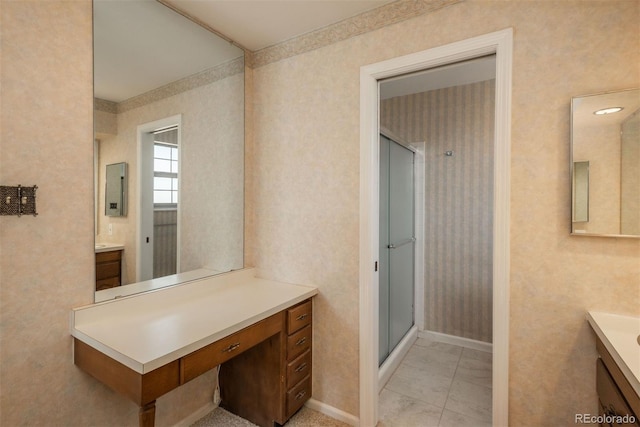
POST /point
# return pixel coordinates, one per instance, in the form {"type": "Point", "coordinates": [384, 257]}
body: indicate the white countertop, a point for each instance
{"type": "Point", "coordinates": [619, 334]}
{"type": "Point", "coordinates": [149, 285]}
{"type": "Point", "coordinates": [146, 331]}
{"type": "Point", "coordinates": [106, 247]}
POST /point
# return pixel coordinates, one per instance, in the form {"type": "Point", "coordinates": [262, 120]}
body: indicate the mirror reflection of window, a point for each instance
{"type": "Point", "coordinates": [165, 174]}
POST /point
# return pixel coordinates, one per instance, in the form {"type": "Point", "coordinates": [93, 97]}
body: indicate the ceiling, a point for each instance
{"type": "Point", "coordinates": [584, 107]}
{"type": "Point", "coordinates": [140, 45]}
{"type": "Point", "coordinates": [256, 24]}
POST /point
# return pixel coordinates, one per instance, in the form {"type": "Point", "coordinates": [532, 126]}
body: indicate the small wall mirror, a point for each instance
{"type": "Point", "coordinates": [115, 202]}
{"type": "Point", "coordinates": [605, 164]}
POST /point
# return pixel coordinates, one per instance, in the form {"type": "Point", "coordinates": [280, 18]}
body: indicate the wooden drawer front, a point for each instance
{"type": "Point", "coordinates": [298, 369]}
{"type": "Point", "coordinates": [611, 400]}
{"type": "Point", "coordinates": [108, 256]}
{"type": "Point", "coordinates": [299, 342]}
{"type": "Point", "coordinates": [298, 395]}
{"type": "Point", "coordinates": [109, 283]}
{"type": "Point", "coordinates": [298, 317]}
{"type": "Point", "coordinates": [108, 270]}
{"type": "Point", "coordinates": [200, 361]}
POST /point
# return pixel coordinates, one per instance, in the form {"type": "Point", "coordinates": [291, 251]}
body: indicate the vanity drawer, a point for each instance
{"type": "Point", "coordinates": [200, 361]}
{"type": "Point", "coordinates": [299, 317]}
{"type": "Point", "coordinates": [298, 369]}
{"type": "Point", "coordinates": [611, 401]}
{"type": "Point", "coordinates": [109, 283]}
{"type": "Point", "coordinates": [108, 256]}
{"type": "Point", "coordinates": [299, 342]}
{"type": "Point", "coordinates": [108, 270]}
{"type": "Point", "coordinates": [298, 395]}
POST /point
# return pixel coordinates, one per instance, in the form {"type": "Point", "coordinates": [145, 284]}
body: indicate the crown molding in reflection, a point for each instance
{"type": "Point", "coordinates": [104, 105]}
{"type": "Point", "coordinates": [194, 81]}
{"type": "Point", "coordinates": [380, 17]}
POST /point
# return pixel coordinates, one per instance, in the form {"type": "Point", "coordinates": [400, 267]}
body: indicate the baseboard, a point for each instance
{"type": "Point", "coordinates": [332, 412]}
{"type": "Point", "coordinates": [195, 416]}
{"type": "Point", "coordinates": [459, 341]}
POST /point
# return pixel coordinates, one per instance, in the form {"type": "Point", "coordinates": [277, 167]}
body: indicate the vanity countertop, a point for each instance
{"type": "Point", "coordinates": [149, 285]}
{"type": "Point", "coordinates": [620, 335]}
{"type": "Point", "coordinates": [146, 331]}
{"type": "Point", "coordinates": [107, 247]}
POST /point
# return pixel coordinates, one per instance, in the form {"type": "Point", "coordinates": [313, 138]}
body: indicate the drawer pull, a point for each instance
{"type": "Point", "coordinates": [302, 367]}
{"type": "Point", "coordinates": [302, 316]}
{"type": "Point", "coordinates": [301, 341]}
{"type": "Point", "coordinates": [301, 394]}
{"type": "Point", "coordinates": [231, 348]}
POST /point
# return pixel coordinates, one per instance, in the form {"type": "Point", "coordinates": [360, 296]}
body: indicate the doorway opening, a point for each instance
{"type": "Point", "coordinates": [500, 45]}
{"type": "Point", "coordinates": [447, 113]}
{"type": "Point", "coordinates": [158, 199]}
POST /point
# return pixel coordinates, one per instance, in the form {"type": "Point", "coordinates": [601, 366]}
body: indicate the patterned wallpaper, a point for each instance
{"type": "Point", "coordinates": [304, 208]}
{"type": "Point", "coordinates": [458, 201]}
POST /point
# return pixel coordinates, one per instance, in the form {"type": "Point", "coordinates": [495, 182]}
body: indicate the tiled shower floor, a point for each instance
{"type": "Point", "coordinates": [438, 384]}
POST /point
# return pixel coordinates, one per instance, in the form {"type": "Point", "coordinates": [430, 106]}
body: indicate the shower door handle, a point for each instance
{"type": "Point", "coordinates": [397, 245]}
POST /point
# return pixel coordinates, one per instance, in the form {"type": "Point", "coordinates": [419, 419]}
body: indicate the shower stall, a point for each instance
{"type": "Point", "coordinates": [397, 244]}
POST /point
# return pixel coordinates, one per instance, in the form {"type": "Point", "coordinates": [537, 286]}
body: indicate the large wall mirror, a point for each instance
{"type": "Point", "coordinates": [605, 164]}
{"type": "Point", "coordinates": [169, 102]}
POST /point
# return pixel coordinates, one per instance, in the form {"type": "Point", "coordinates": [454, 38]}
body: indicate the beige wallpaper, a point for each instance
{"type": "Point", "coordinates": [306, 188]}
{"type": "Point", "coordinates": [47, 262]}
{"type": "Point", "coordinates": [212, 174]}
{"type": "Point", "coordinates": [458, 205]}
{"type": "Point", "coordinates": [304, 184]}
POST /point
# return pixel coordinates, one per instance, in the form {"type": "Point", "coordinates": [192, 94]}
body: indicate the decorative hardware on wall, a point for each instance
{"type": "Point", "coordinates": [18, 200]}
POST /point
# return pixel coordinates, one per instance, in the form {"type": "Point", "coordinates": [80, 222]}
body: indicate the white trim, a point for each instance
{"type": "Point", "coordinates": [459, 341]}
{"type": "Point", "coordinates": [419, 232]}
{"type": "Point", "coordinates": [332, 412]}
{"type": "Point", "coordinates": [500, 43]}
{"type": "Point", "coordinates": [395, 358]}
{"type": "Point", "coordinates": [195, 416]}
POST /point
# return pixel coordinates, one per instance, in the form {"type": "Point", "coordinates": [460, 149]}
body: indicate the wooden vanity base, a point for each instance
{"type": "Point", "coordinates": [265, 373]}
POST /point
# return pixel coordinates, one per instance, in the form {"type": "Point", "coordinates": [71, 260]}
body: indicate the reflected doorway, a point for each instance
{"type": "Point", "coordinates": [159, 195]}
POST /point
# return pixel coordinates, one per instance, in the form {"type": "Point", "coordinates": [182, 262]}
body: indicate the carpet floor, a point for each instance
{"type": "Point", "coordinates": [305, 417]}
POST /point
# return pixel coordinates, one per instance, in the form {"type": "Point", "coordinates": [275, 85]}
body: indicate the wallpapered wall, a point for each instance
{"type": "Point", "coordinates": [306, 189]}
{"type": "Point", "coordinates": [458, 198]}
{"type": "Point", "coordinates": [47, 263]}
{"type": "Point", "coordinates": [303, 211]}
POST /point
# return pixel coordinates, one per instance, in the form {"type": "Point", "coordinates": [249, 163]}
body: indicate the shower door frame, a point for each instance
{"type": "Point", "coordinates": [499, 43]}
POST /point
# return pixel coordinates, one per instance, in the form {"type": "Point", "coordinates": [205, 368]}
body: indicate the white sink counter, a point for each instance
{"type": "Point", "coordinates": [149, 330]}
{"type": "Point", "coordinates": [106, 247]}
{"type": "Point", "coordinates": [619, 334]}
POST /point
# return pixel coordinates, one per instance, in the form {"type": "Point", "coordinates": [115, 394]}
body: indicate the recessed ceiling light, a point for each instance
{"type": "Point", "coordinates": [609, 110]}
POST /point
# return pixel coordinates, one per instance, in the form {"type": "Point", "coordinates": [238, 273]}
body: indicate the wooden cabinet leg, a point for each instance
{"type": "Point", "coordinates": [147, 415]}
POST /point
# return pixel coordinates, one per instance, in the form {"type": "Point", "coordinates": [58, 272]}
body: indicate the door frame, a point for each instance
{"type": "Point", "coordinates": [142, 137]}
{"type": "Point", "coordinates": [499, 43]}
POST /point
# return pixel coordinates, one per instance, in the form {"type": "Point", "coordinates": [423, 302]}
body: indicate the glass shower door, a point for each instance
{"type": "Point", "coordinates": [397, 245]}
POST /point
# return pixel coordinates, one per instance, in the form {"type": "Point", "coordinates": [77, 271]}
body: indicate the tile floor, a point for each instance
{"type": "Point", "coordinates": [438, 384]}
